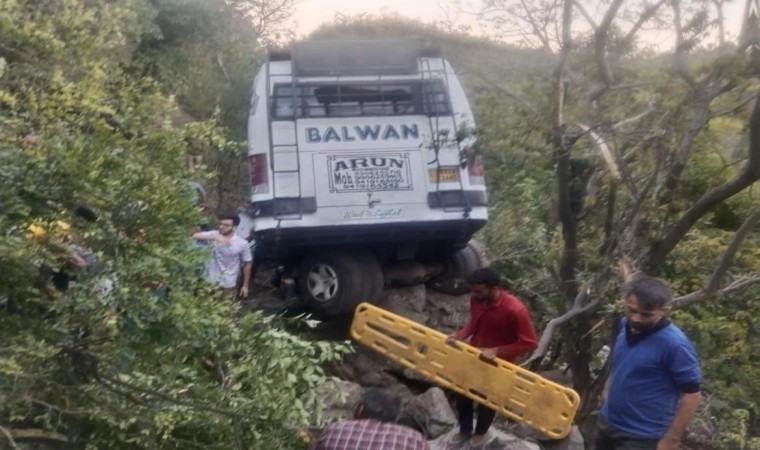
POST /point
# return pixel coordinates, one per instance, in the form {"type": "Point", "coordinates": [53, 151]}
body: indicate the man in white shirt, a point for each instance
{"type": "Point", "coordinates": [230, 253]}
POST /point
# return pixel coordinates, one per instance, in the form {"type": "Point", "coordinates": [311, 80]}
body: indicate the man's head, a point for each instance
{"type": "Point", "coordinates": [227, 223]}
{"type": "Point", "coordinates": [378, 404]}
{"type": "Point", "coordinates": [646, 302]}
{"type": "Point", "coordinates": [485, 284]}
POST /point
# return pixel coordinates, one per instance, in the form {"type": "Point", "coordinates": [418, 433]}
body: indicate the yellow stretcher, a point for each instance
{"type": "Point", "coordinates": [511, 390]}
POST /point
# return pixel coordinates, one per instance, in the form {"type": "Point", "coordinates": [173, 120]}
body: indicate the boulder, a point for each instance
{"type": "Point", "coordinates": [337, 393]}
{"type": "Point", "coordinates": [366, 367]}
{"type": "Point", "coordinates": [405, 273]}
{"type": "Point", "coordinates": [339, 398]}
{"type": "Point", "coordinates": [500, 440]}
{"type": "Point", "coordinates": [430, 413]}
{"type": "Point", "coordinates": [446, 313]}
{"type": "Point", "coordinates": [407, 302]}
{"type": "Point", "coordinates": [573, 441]}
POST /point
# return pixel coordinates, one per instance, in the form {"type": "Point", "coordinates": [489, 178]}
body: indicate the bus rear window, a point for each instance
{"type": "Point", "coordinates": [360, 99]}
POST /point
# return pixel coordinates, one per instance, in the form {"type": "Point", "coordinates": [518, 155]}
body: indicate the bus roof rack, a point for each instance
{"type": "Point", "coordinates": [362, 57]}
{"type": "Point", "coordinates": [279, 54]}
{"type": "Point", "coordinates": [430, 52]}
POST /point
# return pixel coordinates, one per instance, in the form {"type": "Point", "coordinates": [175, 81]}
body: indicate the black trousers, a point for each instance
{"type": "Point", "coordinates": [465, 412]}
{"type": "Point", "coordinates": [609, 438]}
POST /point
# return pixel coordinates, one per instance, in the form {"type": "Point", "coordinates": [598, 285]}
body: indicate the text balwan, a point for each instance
{"type": "Point", "coordinates": [316, 135]}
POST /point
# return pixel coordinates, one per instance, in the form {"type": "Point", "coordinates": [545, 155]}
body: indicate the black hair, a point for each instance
{"type": "Point", "coordinates": [484, 275]}
{"type": "Point", "coordinates": [380, 404]}
{"type": "Point", "coordinates": [651, 292]}
{"type": "Point", "coordinates": [231, 216]}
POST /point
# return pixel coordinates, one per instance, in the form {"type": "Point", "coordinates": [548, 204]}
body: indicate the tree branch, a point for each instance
{"type": "Point", "coordinates": [721, 23]}
{"type": "Point", "coordinates": [523, 103]}
{"type": "Point", "coordinates": [680, 48]}
{"type": "Point", "coordinates": [648, 14]}
{"type": "Point", "coordinates": [751, 173]}
{"type": "Point", "coordinates": [650, 109]}
{"type": "Point", "coordinates": [577, 309]}
{"type": "Point", "coordinates": [37, 434]}
{"type": "Point", "coordinates": [601, 38]}
{"type": "Point", "coordinates": [733, 247]}
{"type": "Point", "coordinates": [537, 30]}
{"type": "Point", "coordinates": [737, 107]}
{"type": "Point", "coordinates": [604, 149]}
{"type": "Point", "coordinates": [579, 6]}
{"type": "Point", "coordinates": [563, 144]}
{"type": "Point", "coordinates": [176, 401]}
{"type": "Point", "coordinates": [695, 297]}
{"type": "Point", "coordinates": [5, 432]}
{"type": "Point", "coordinates": [58, 409]}
{"type": "Point", "coordinates": [220, 63]}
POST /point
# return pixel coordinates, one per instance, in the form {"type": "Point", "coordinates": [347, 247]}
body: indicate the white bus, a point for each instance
{"type": "Point", "coordinates": [361, 156]}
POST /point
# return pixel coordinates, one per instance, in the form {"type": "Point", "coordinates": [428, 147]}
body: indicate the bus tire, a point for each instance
{"type": "Point", "coordinates": [331, 282]}
{"type": "Point", "coordinates": [372, 273]}
{"type": "Point", "coordinates": [463, 262]}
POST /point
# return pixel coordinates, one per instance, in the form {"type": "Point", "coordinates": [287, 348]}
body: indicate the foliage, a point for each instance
{"type": "Point", "coordinates": [673, 129]}
{"type": "Point", "coordinates": [206, 54]}
{"type": "Point", "coordinates": [136, 353]}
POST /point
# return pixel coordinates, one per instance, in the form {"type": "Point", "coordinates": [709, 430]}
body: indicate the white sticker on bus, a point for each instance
{"type": "Point", "coordinates": [366, 173]}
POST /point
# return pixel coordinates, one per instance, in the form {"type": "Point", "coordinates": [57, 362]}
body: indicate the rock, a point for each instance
{"type": "Point", "coordinates": [337, 393]}
{"type": "Point", "coordinates": [526, 432]}
{"type": "Point", "coordinates": [430, 413]}
{"type": "Point", "coordinates": [366, 367]}
{"type": "Point", "coordinates": [377, 379]}
{"type": "Point", "coordinates": [407, 302]}
{"type": "Point", "coordinates": [448, 285]}
{"type": "Point", "coordinates": [339, 398]}
{"type": "Point", "coordinates": [446, 313]}
{"type": "Point", "coordinates": [409, 375]}
{"type": "Point", "coordinates": [405, 273]}
{"type": "Point", "coordinates": [557, 376]}
{"type": "Point", "coordinates": [404, 394]}
{"type": "Point", "coordinates": [500, 441]}
{"type": "Point", "coordinates": [573, 441]}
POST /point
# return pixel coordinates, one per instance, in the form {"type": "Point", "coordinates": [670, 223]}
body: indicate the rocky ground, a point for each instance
{"type": "Point", "coordinates": [426, 406]}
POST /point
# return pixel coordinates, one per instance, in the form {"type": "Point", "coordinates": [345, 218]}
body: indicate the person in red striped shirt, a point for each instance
{"type": "Point", "coordinates": [500, 326]}
{"type": "Point", "coordinates": [373, 427]}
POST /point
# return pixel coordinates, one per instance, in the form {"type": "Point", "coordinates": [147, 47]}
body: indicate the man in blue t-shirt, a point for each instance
{"type": "Point", "coordinates": [653, 389]}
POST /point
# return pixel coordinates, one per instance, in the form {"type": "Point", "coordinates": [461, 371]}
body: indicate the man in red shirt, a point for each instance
{"type": "Point", "coordinates": [499, 326]}
{"type": "Point", "coordinates": [373, 427]}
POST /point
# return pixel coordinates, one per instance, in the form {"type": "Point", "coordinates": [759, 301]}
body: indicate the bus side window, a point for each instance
{"type": "Point", "coordinates": [282, 102]}
{"type": "Point", "coordinates": [436, 100]}
{"type": "Point", "coordinates": [312, 106]}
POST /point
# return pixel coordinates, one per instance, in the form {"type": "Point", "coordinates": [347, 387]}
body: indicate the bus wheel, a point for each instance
{"type": "Point", "coordinates": [331, 282]}
{"type": "Point", "coordinates": [372, 274]}
{"type": "Point", "coordinates": [463, 262]}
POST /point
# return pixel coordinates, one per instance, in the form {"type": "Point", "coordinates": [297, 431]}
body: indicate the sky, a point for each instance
{"type": "Point", "coordinates": [310, 14]}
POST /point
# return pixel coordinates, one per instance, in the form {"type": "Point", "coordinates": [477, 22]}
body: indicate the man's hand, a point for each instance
{"type": "Point", "coordinates": [488, 353]}
{"type": "Point", "coordinates": [668, 443]}
{"type": "Point", "coordinates": [451, 339]}
{"type": "Point", "coordinates": [244, 292]}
